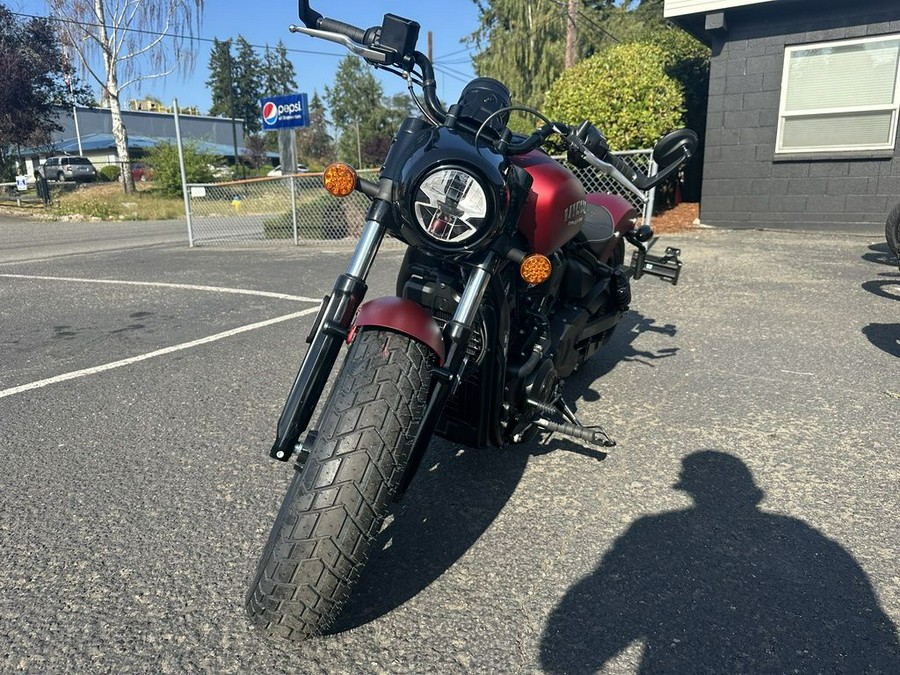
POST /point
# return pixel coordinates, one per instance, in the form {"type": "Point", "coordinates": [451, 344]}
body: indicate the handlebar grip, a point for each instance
{"type": "Point", "coordinates": [623, 166]}
{"type": "Point", "coordinates": [358, 35]}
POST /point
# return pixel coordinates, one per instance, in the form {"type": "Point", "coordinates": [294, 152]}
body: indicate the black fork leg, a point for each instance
{"type": "Point", "coordinates": [330, 332]}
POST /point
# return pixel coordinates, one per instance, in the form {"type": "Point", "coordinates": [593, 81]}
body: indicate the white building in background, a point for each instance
{"type": "Point", "coordinates": [92, 136]}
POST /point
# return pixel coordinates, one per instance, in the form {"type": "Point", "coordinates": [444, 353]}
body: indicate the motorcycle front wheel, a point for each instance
{"type": "Point", "coordinates": [892, 230]}
{"type": "Point", "coordinates": [335, 505]}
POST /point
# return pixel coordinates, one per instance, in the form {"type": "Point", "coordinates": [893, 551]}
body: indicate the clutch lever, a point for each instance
{"type": "Point", "coordinates": [367, 53]}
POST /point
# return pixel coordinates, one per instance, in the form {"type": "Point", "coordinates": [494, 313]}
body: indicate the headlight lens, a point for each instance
{"type": "Point", "coordinates": [450, 206]}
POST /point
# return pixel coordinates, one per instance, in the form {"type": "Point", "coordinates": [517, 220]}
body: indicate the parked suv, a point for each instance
{"type": "Point", "coordinates": [68, 168]}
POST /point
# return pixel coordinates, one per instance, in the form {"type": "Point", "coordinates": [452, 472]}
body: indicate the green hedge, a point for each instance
{"type": "Point", "coordinates": [625, 91]}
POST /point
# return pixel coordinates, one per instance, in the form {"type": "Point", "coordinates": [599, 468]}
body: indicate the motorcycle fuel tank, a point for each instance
{"type": "Point", "coordinates": [554, 212]}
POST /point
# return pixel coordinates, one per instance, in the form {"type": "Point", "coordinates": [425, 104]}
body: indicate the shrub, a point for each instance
{"type": "Point", "coordinates": [167, 171]}
{"type": "Point", "coordinates": [110, 173]}
{"type": "Point", "coordinates": [625, 91]}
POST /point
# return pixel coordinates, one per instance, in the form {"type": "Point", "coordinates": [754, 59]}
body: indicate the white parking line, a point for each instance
{"type": "Point", "coordinates": [159, 352]}
{"type": "Point", "coordinates": [187, 287]}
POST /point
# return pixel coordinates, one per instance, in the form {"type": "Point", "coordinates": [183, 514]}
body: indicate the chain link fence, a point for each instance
{"type": "Point", "coordinates": [595, 181]}
{"type": "Point", "coordinates": [284, 209]}
{"type": "Point", "coordinates": [297, 209]}
{"type": "Point", "coordinates": [13, 194]}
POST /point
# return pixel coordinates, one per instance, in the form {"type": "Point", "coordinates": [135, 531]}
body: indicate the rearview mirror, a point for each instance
{"type": "Point", "coordinates": [674, 146]}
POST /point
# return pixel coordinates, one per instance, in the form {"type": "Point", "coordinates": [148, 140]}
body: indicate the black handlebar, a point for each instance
{"type": "Point", "coordinates": [532, 142]}
{"type": "Point", "coordinates": [335, 26]}
{"type": "Point", "coordinates": [635, 176]}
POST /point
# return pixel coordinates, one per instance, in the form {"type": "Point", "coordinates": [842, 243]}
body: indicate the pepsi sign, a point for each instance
{"type": "Point", "coordinates": [284, 112]}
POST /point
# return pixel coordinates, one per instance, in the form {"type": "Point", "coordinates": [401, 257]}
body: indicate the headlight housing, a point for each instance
{"type": "Point", "coordinates": [451, 206]}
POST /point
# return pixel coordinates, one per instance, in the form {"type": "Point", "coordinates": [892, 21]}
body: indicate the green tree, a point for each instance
{"type": "Point", "coordinates": [221, 77]}
{"type": "Point", "coordinates": [522, 44]}
{"type": "Point", "coordinates": [34, 77]}
{"type": "Point", "coordinates": [167, 170]}
{"type": "Point", "coordinates": [314, 144]}
{"type": "Point", "coordinates": [248, 71]}
{"type": "Point", "coordinates": [280, 76]}
{"type": "Point", "coordinates": [624, 90]}
{"type": "Point", "coordinates": [358, 113]}
{"type": "Point", "coordinates": [687, 61]}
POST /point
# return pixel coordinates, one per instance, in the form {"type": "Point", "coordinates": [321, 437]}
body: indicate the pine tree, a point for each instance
{"type": "Point", "coordinates": [220, 77]}
{"type": "Point", "coordinates": [358, 113]}
{"type": "Point", "coordinates": [248, 84]}
{"type": "Point", "coordinates": [314, 144]}
{"type": "Point", "coordinates": [280, 76]}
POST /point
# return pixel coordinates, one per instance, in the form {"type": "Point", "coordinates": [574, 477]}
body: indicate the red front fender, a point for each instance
{"type": "Point", "coordinates": [403, 316]}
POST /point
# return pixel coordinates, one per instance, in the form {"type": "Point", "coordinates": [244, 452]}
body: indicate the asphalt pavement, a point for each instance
{"type": "Point", "coordinates": [748, 521]}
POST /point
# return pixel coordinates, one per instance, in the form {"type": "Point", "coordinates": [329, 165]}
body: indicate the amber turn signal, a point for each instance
{"type": "Point", "coordinates": [339, 179]}
{"type": "Point", "coordinates": [535, 268]}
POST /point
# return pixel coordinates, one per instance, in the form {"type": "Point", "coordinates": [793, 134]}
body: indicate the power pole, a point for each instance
{"type": "Point", "coordinates": [571, 32]}
{"type": "Point", "coordinates": [430, 44]}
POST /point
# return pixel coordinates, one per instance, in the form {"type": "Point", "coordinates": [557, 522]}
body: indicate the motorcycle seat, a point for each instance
{"type": "Point", "coordinates": [597, 229]}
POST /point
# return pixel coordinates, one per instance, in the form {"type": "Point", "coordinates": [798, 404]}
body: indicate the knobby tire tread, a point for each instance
{"type": "Point", "coordinates": [335, 506]}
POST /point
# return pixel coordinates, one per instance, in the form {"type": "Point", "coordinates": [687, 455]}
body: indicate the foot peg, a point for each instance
{"type": "Point", "coordinates": [594, 435]}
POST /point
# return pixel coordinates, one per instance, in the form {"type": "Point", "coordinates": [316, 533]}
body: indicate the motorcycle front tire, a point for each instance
{"type": "Point", "coordinates": [335, 505]}
{"type": "Point", "coordinates": [892, 230]}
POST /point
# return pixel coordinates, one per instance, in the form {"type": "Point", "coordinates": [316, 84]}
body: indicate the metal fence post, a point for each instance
{"type": "Point", "coordinates": [184, 188]}
{"type": "Point", "coordinates": [648, 207]}
{"type": "Point", "coordinates": [294, 210]}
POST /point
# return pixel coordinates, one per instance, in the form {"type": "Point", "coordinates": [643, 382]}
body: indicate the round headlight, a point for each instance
{"type": "Point", "coordinates": [451, 206]}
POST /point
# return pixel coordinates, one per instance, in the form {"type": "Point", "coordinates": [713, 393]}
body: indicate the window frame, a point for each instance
{"type": "Point", "coordinates": [893, 107]}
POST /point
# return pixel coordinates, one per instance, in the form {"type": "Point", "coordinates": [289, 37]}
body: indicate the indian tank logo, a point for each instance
{"type": "Point", "coordinates": [270, 113]}
{"type": "Point", "coordinates": [575, 213]}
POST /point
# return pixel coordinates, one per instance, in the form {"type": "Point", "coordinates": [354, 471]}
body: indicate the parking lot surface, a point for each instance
{"type": "Point", "coordinates": [748, 521]}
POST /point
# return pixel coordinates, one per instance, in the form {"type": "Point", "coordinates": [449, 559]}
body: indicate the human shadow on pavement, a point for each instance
{"type": "Point", "coordinates": [723, 587]}
{"type": "Point", "coordinates": [458, 492]}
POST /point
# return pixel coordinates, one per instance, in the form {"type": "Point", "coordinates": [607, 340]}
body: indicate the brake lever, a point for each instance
{"type": "Point", "coordinates": [365, 52]}
{"type": "Point", "coordinates": [605, 167]}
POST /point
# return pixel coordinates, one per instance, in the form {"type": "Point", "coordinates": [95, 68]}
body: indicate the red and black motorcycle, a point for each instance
{"type": "Point", "coordinates": [513, 277]}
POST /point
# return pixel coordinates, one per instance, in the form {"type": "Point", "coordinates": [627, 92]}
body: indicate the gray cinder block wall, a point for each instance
{"type": "Point", "coordinates": [744, 184]}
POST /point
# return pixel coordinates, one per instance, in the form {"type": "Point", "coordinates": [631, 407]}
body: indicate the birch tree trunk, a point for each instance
{"type": "Point", "coordinates": [120, 133]}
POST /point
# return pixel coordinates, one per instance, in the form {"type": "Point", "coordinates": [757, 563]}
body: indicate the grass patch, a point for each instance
{"type": "Point", "coordinates": [107, 201]}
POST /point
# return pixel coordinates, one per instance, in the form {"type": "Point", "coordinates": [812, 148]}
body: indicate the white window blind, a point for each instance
{"type": "Point", "coordinates": [840, 96]}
